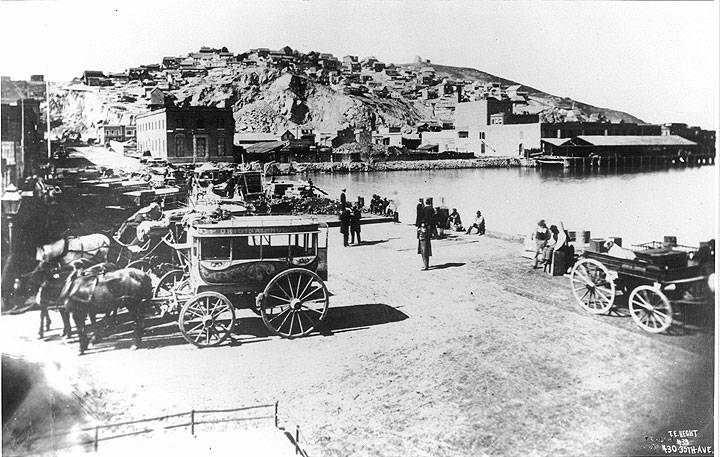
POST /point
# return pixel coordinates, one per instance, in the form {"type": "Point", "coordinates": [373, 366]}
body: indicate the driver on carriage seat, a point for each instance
{"type": "Point", "coordinates": [152, 212]}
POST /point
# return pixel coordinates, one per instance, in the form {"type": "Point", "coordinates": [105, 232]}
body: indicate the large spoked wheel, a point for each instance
{"type": "Point", "coordinates": [207, 319]}
{"type": "Point", "coordinates": [173, 289]}
{"type": "Point", "coordinates": [650, 309]}
{"type": "Point", "coordinates": [592, 286]}
{"type": "Point", "coordinates": [294, 303]}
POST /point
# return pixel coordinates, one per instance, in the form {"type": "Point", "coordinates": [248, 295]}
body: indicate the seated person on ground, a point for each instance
{"type": "Point", "coordinates": [478, 223]}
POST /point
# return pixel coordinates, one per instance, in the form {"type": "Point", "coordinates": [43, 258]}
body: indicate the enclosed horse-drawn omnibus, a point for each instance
{"type": "Point", "coordinates": [274, 265]}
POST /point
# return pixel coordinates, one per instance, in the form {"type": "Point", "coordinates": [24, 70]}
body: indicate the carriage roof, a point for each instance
{"type": "Point", "coordinates": [259, 225]}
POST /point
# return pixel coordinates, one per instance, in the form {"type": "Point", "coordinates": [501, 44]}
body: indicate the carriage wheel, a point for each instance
{"type": "Point", "coordinates": [294, 303]}
{"type": "Point", "coordinates": [174, 288]}
{"type": "Point", "coordinates": [207, 319]}
{"type": "Point", "coordinates": [650, 309]}
{"type": "Point", "coordinates": [592, 287]}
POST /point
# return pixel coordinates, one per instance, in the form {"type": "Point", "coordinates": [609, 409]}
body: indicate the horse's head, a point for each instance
{"type": "Point", "coordinates": [41, 274]}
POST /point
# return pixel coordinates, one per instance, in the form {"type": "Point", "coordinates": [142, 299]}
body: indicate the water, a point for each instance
{"type": "Point", "coordinates": [637, 206]}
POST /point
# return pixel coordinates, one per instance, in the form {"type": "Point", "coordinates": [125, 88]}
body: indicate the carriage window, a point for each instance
{"type": "Point", "coordinates": [303, 244]}
{"type": "Point", "coordinates": [276, 246]}
{"type": "Point", "coordinates": [246, 248]}
{"type": "Point", "coordinates": [215, 249]}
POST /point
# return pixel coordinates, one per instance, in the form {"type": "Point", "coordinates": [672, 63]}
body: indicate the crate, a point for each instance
{"type": "Point", "coordinates": [597, 245]}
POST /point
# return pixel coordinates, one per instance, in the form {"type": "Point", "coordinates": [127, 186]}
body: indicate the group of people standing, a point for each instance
{"type": "Point", "coordinates": [350, 220]}
{"type": "Point", "coordinates": [548, 240]}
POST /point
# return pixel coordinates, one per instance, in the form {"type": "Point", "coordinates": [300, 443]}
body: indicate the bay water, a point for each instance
{"type": "Point", "coordinates": [638, 206]}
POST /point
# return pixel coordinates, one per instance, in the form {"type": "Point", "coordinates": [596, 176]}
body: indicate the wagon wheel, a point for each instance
{"type": "Point", "coordinates": [650, 309]}
{"type": "Point", "coordinates": [592, 287]}
{"type": "Point", "coordinates": [174, 289]}
{"type": "Point", "coordinates": [294, 303]}
{"type": "Point", "coordinates": [207, 319]}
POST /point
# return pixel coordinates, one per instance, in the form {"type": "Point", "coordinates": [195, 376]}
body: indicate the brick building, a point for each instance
{"type": "Point", "coordinates": [20, 151]}
{"type": "Point", "coordinates": [192, 134]}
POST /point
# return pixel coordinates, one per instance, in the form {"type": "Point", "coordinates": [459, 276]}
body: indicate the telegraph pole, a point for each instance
{"type": "Point", "coordinates": [47, 101]}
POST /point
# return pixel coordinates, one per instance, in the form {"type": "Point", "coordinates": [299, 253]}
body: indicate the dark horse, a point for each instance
{"type": "Point", "coordinates": [86, 294]}
{"type": "Point", "coordinates": [48, 298]}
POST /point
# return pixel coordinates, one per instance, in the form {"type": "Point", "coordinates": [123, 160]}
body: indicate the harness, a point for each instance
{"type": "Point", "coordinates": [92, 252]}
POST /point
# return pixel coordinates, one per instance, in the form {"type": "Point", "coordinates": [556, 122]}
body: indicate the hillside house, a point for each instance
{"type": "Point", "coordinates": [171, 63]}
{"type": "Point", "coordinates": [388, 136]}
{"type": "Point", "coordinates": [108, 133]}
{"type": "Point", "coordinates": [191, 134]}
{"type": "Point", "coordinates": [119, 78]}
{"type": "Point", "coordinates": [92, 78]}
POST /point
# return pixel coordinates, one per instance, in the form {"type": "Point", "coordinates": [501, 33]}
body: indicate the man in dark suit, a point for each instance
{"type": "Point", "coordinates": [419, 214]}
{"type": "Point", "coordinates": [345, 221]}
{"type": "Point", "coordinates": [343, 198]}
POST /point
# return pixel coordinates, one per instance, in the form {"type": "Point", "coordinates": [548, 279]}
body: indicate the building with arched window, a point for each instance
{"type": "Point", "coordinates": [192, 134]}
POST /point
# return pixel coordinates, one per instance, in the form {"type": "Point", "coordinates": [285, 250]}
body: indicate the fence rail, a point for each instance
{"type": "Point", "coordinates": [193, 421]}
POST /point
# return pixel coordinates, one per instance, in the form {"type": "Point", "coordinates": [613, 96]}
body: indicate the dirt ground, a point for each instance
{"type": "Point", "coordinates": [481, 355]}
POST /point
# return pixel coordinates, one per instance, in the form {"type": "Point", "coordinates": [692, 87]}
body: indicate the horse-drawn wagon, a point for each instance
{"type": "Point", "coordinates": [652, 278]}
{"type": "Point", "coordinates": [274, 265]}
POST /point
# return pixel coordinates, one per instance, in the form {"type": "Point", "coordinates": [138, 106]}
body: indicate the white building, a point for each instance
{"type": "Point", "coordinates": [488, 127]}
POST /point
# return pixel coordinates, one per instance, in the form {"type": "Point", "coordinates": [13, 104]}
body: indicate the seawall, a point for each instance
{"type": "Point", "coordinates": [401, 165]}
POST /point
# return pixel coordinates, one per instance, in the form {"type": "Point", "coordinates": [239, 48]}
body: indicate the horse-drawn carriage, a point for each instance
{"type": "Point", "coordinates": [274, 265]}
{"type": "Point", "coordinates": [652, 278]}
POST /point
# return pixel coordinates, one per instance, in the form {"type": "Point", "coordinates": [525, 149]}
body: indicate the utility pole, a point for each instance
{"type": "Point", "coordinates": [21, 171]}
{"type": "Point", "coordinates": [47, 101]}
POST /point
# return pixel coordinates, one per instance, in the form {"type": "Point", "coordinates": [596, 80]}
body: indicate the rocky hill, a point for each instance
{"type": "Point", "coordinates": [266, 97]}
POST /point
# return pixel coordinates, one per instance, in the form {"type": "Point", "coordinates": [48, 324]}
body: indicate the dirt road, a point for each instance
{"type": "Point", "coordinates": [481, 355]}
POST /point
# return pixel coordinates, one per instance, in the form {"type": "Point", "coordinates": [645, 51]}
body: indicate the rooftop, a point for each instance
{"type": "Point", "coordinates": [635, 140]}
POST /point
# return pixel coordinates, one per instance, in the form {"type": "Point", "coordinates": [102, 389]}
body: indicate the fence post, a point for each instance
{"type": "Point", "coordinates": [192, 422]}
{"type": "Point", "coordinates": [276, 415]}
{"type": "Point", "coordinates": [97, 432]}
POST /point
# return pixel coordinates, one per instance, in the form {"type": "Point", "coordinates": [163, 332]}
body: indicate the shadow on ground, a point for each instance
{"type": "Point", "coordinates": [162, 332]}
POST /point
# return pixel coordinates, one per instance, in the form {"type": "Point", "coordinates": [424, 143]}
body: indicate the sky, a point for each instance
{"type": "Point", "coordinates": [655, 60]}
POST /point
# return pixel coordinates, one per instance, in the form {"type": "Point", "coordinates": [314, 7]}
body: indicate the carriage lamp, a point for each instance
{"type": "Point", "coordinates": [11, 199]}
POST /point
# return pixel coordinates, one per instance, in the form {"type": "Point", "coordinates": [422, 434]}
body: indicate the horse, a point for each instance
{"type": "Point", "coordinates": [76, 253]}
{"type": "Point", "coordinates": [47, 297]}
{"type": "Point", "coordinates": [86, 294]}
{"type": "Point", "coordinates": [69, 249]}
